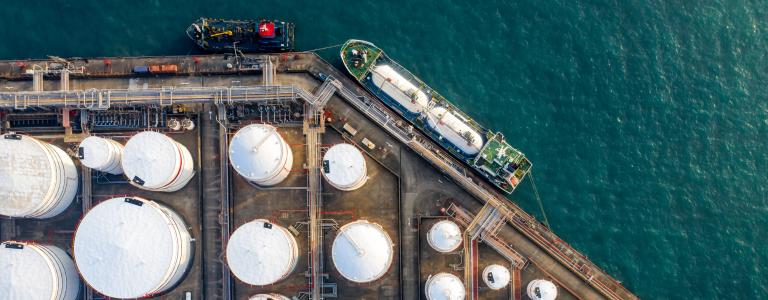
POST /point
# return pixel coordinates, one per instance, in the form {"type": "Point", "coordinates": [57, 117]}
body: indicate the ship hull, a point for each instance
{"type": "Point", "coordinates": [220, 36]}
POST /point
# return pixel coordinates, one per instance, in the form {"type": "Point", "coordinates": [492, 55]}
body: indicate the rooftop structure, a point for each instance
{"type": "Point", "coordinates": [261, 253]}
{"type": "Point", "coordinates": [344, 167]}
{"type": "Point", "coordinates": [444, 286]}
{"type": "Point", "coordinates": [496, 277]}
{"type": "Point", "coordinates": [155, 162]}
{"type": "Point", "coordinates": [37, 179]}
{"type": "Point", "coordinates": [259, 154]}
{"type": "Point", "coordinates": [129, 247]}
{"type": "Point", "coordinates": [362, 251]}
{"type": "Point", "coordinates": [268, 297]}
{"type": "Point", "coordinates": [541, 289]}
{"type": "Point", "coordinates": [444, 236]}
{"type": "Point", "coordinates": [32, 271]}
{"type": "Point", "coordinates": [101, 154]}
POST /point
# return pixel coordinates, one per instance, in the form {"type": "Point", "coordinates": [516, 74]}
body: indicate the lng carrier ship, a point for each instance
{"type": "Point", "coordinates": [486, 151]}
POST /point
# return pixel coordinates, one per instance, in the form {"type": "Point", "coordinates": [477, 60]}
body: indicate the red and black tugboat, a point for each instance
{"type": "Point", "coordinates": [218, 35]}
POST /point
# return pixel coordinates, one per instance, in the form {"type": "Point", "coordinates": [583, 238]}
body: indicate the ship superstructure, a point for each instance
{"type": "Point", "coordinates": [485, 150]}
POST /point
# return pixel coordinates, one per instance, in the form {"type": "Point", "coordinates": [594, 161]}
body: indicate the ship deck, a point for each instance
{"type": "Point", "coordinates": [411, 180]}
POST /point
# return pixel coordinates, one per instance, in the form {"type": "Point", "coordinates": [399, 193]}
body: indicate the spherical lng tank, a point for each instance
{"type": "Point", "coordinates": [400, 89]}
{"type": "Point", "coordinates": [101, 154]}
{"type": "Point", "coordinates": [540, 289]}
{"type": "Point", "coordinates": [496, 277]}
{"type": "Point", "coordinates": [444, 236]}
{"type": "Point", "coordinates": [362, 251]}
{"type": "Point", "coordinates": [261, 253]}
{"type": "Point", "coordinates": [32, 271]}
{"type": "Point", "coordinates": [344, 167]}
{"type": "Point", "coordinates": [456, 130]}
{"type": "Point", "coordinates": [155, 162]}
{"type": "Point", "coordinates": [268, 297]}
{"type": "Point", "coordinates": [260, 154]}
{"type": "Point", "coordinates": [130, 247]}
{"type": "Point", "coordinates": [444, 286]}
{"type": "Point", "coordinates": [37, 179]}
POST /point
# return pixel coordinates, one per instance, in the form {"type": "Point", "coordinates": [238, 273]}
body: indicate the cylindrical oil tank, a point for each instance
{"type": "Point", "coordinates": [37, 179]}
{"type": "Point", "coordinates": [344, 167]}
{"type": "Point", "coordinates": [261, 253]}
{"type": "Point", "coordinates": [260, 154]}
{"type": "Point", "coordinates": [455, 129]}
{"type": "Point", "coordinates": [155, 162]}
{"type": "Point", "coordinates": [362, 251]}
{"type": "Point", "coordinates": [101, 154]}
{"type": "Point", "coordinates": [268, 297]}
{"type": "Point", "coordinates": [399, 89]}
{"type": "Point", "coordinates": [32, 271]}
{"type": "Point", "coordinates": [444, 236]}
{"type": "Point", "coordinates": [444, 286]}
{"type": "Point", "coordinates": [541, 289]}
{"type": "Point", "coordinates": [130, 247]}
{"type": "Point", "coordinates": [496, 277]}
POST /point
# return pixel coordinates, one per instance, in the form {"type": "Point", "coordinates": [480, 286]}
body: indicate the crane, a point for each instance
{"type": "Point", "coordinates": [228, 32]}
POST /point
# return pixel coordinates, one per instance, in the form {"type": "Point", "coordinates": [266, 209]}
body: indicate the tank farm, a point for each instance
{"type": "Point", "coordinates": [265, 176]}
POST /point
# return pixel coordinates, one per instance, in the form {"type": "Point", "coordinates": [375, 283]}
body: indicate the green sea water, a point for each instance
{"type": "Point", "coordinates": [646, 121]}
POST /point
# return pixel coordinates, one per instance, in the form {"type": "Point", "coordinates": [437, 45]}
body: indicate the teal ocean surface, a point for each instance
{"type": "Point", "coordinates": [646, 121]}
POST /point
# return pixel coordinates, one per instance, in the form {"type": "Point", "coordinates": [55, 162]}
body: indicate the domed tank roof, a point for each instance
{"type": "Point", "coordinates": [362, 251]}
{"type": "Point", "coordinates": [268, 297]}
{"type": "Point", "coordinates": [344, 167]}
{"type": "Point", "coordinates": [444, 236]}
{"type": "Point", "coordinates": [496, 276]}
{"type": "Point", "coordinates": [445, 286]}
{"type": "Point", "coordinates": [259, 153]}
{"type": "Point", "coordinates": [31, 271]}
{"type": "Point", "coordinates": [131, 247]}
{"type": "Point", "coordinates": [541, 289]}
{"type": "Point", "coordinates": [37, 179]}
{"type": "Point", "coordinates": [101, 154]}
{"type": "Point", "coordinates": [154, 161]}
{"type": "Point", "coordinates": [261, 253]}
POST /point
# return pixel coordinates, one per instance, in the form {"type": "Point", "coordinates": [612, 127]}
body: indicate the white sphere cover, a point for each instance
{"type": "Point", "coordinates": [496, 277]}
{"type": "Point", "coordinates": [261, 253]}
{"type": "Point", "coordinates": [445, 286]}
{"type": "Point", "coordinates": [541, 289]}
{"type": "Point", "coordinates": [444, 236]}
{"type": "Point", "coordinates": [362, 251]}
{"type": "Point", "coordinates": [31, 271]}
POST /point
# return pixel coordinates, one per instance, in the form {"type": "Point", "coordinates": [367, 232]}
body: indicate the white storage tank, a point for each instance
{"type": "Point", "coordinates": [540, 289]}
{"type": "Point", "coordinates": [456, 130]}
{"type": "Point", "coordinates": [344, 167]}
{"type": "Point", "coordinates": [444, 286]}
{"type": "Point", "coordinates": [444, 236]}
{"type": "Point", "coordinates": [37, 179]}
{"type": "Point", "coordinates": [268, 297]}
{"type": "Point", "coordinates": [155, 162]}
{"type": "Point", "coordinates": [130, 247]}
{"type": "Point", "coordinates": [399, 88]}
{"type": "Point", "coordinates": [496, 277]}
{"type": "Point", "coordinates": [260, 154]}
{"type": "Point", "coordinates": [362, 251]}
{"type": "Point", "coordinates": [32, 271]}
{"type": "Point", "coordinates": [101, 154]}
{"type": "Point", "coordinates": [261, 253]}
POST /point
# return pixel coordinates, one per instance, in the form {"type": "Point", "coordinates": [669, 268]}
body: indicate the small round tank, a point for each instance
{"type": "Point", "coordinates": [260, 154]}
{"type": "Point", "coordinates": [496, 277]}
{"type": "Point", "coordinates": [261, 253]}
{"type": "Point", "coordinates": [444, 236]}
{"type": "Point", "coordinates": [130, 247]}
{"type": "Point", "coordinates": [153, 161]}
{"type": "Point", "coordinates": [444, 286]}
{"type": "Point", "coordinates": [32, 271]}
{"type": "Point", "coordinates": [344, 167]}
{"type": "Point", "coordinates": [268, 297]}
{"type": "Point", "coordinates": [37, 179]}
{"type": "Point", "coordinates": [362, 251]}
{"type": "Point", "coordinates": [540, 289]}
{"type": "Point", "coordinates": [101, 154]}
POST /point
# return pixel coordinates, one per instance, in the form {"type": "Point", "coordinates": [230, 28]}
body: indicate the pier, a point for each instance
{"type": "Point", "coordinates": [217, 90]}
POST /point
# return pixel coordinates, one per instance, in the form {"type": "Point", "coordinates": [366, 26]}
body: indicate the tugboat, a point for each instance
{"type": "Point", "coordinates": [218, 35]}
